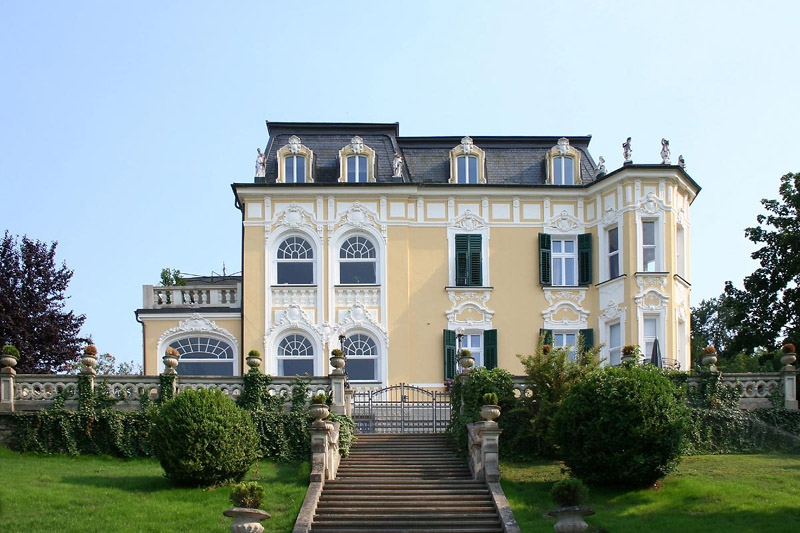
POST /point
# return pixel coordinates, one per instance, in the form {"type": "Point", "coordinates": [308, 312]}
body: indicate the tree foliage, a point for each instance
{"type": "Point", "coordinates": [171, 278]}
{"type": "Point", "coordinates": [32, 306]}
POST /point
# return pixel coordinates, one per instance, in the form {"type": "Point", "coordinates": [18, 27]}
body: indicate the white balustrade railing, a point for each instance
{"type": "Point", "coordinates": [222, 295]}
{"type": "Point", "coordinates": [284, 296]}
{"type": "Point", "coordinates": [349, 295]}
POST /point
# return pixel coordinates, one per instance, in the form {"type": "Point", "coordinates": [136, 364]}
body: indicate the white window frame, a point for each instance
{"type": "Point", "coordinates": [680, 251]}
{"type": "Point", "coordinates": [376, 358]}
{"type": "Point", "coordinates": [469, 178]}
{"type": "Point", "coordinates": [280, 358]}
{"type": "Point", "coordinates": [294, 158]}
{"type": "Point", "coordinates": [377, 260]}
{"type": "Point", "coordinates": [611, 255]}
{"type": "Point", "coordinates": [660, 318]}
{"type": "Point", "coordinates": [564, 332]}
{"type": "Point", "coordinates": [563, 256]}
{"type": "Point", "coordinates": [358, 168]}
{"type": "Point", "coordinates": [212, 336]}
{"type": "Point", "coordinates": [278, 261]}
{"type": "Point", "coordinates": [610, 348]}
{"type": "Point", "coordinates": [563, 161]}
{"type": "Point", "coordinates": [658, 219]}
{"type": "Point", "coordinates": [479, 360]}
{"type": "Point", "coordinates": [483, 231]}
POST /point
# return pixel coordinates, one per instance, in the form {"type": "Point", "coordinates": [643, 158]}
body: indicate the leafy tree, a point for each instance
{"type": "Point", "coordinates": [107, 365]}
{"type": "Point", "coordinates": [32, 314]}
{"type": "Point", "coordinates": [171, 278]}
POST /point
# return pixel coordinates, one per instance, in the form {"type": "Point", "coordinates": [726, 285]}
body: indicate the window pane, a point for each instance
{"type": "Point", "coordinates": [291, 367]}
{"type": "Point", "coordinates": [475, 341]}
{"type": "Point", "coordinates": [556, 247]}
{"type": "Point", "coordinates": [351, 168]}
{"type": "Point", "coordinates": [353, 272]}
{"type": "Point", "coordinates": [650, 327]}
{"type": "Point", "coordinates": [569, 171]}
{"type": "Point", "coordinates": [198, 368]}
{"type": "Point", "coordinates": [295, 273]}
{"type": "Point", "coordinates": [300, 165]}
{"type": "Point", "coordinates": [473, 169]}
{"type": "Point", "coordinates": [569, 271]}
{"type": "Point", "coordinates": [613, 240]}
{"type": "Point", "coordinates": [569, 247]}
{"type": "Point", "coordinates": [649, 259]}
{"type": "Point", "coordinates": [614, 336]}
{"type": "Point", "coordinates": [461, 164]}
{"type": "Point", "coordinates": [570, 339]}
{"type": "Point", "coordinates": [361, 369]}
{"type": "Point", "coordinates": [648, 233]}
{"type": "Point", "coordinates": [558, 167]}
{"type": "Point", "coordinates": [613, 266]}
{"type": "Point", "coordinates": [558, 276]}
{"type": "Point", "coordinates": [362, 169]}
{"type": "Point", "coordinates": [289, 169]}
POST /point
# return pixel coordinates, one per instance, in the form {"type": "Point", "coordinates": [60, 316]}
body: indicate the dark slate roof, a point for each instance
{"type": "Point", "coordinates": [509, 160]}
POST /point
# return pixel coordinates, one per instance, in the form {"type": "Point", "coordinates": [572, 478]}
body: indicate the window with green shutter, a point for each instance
{"type": "Point", "coordinates": [545, 268]}
{"type": "Point", "coordinates": [468, 261]}
{"type": "Point", "coordinates": [585, 259]}
{"type": "Point", "coordinates": [588, 338]}
{"type": "Point", "coordinates": [449, 354]}
{"type": "Point", "coordinates": [490, 348]}
{"type": "Point", "coordinates": [546, 335]}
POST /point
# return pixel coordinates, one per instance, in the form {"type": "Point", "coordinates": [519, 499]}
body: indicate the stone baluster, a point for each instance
{"type": "Point", "coordinates": [484, 442]}
{"type": "Point", "coordinates": [338, 378]}
{"type": "Point", "coordinates": [7, 383]}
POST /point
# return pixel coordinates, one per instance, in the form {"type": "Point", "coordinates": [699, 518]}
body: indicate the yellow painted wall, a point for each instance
{"type": "Point", "coordinates": [153, 329]}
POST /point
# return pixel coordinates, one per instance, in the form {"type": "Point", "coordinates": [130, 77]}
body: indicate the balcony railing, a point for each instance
{"type": "Point", "coordinates": [222, 295]}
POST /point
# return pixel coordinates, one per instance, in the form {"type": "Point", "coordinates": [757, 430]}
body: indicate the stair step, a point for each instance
{"type": "Point", "coordinates": [441, 529]}
{"type": "Point", "coordinates": [399, 506]}
{"type": "Point", "coordinates": [426, 523]}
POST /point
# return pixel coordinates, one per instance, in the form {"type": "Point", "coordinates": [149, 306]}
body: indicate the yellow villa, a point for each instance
{"type": "Point", "coordinates": [403, 249]}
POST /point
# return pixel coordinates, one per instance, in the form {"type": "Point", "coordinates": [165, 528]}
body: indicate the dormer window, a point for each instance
{"type": "Point", "coordinates": [467, 163]}
{"type": "Point", "coordinates": [356, 162]}
{"type": "Point", "coordinates": [295, 162]}
{"type": "Point", "coordinates": [563, 164]}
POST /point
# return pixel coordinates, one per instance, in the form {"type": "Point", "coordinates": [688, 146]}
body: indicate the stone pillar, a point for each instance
{"type": "Point", "coordinates": [484, 439]}
{"type": "Point", "coordinates": [324, 451]}
{"type": "Point", "coordinates": [339, 403]}
{"type": "Point", "coordinates": [789, 378]}
{"type": "Point", "coordinates": [348, 401]}
{"type": "Point", "coordinates": [7, 389]}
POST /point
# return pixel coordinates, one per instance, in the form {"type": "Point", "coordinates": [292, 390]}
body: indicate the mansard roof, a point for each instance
{"type": "Point", "coordinates": [509, 160]}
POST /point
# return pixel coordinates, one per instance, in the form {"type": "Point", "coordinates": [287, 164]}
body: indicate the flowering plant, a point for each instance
{"type": "Point", "coordinates": [709, 350]}
{"type": "Point", "coordinates": [448, 385]}
{"type": "Point", "coordinates": [172, 352]}
{"type": "Point", "coordinates": [90, 350]}
{"type": "Point", "coordinates": [788, 348]}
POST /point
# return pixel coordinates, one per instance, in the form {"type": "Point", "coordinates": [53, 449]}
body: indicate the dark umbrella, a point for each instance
{"type": "Point", "coordinates": [655, 356]}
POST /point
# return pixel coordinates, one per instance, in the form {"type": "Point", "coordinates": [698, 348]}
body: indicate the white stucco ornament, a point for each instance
{"type": "Point", "coordinates": [563, 146]}
{"type": "Point", "coordinates": [610, 216]}
{"type": "Point", "coordinates": [466, 145]}
{"type": "Point", "coordinates": [651, 204]}
{"type": "Point", "coordinates": [564, 222]}
{"type": "Point", "coordinates": [294, 144]}
{"type": "Point", "coordinates": [469, 221]}
{"type": "Point", "coordinates": [357, 144]}
{"type": "Point", "coordinates": [196, 323]}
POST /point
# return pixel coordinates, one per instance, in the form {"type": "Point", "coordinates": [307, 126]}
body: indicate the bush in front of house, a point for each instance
{"type": "Point", "coordinates": [622, 426]}
{"type": "Point", "coordinates": [202, 438]}
{"type": "Point", "coordinates": [466, 399]}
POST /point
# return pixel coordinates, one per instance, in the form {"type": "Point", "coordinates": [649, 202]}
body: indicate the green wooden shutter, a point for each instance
{"type": "Point", "coordinates": [545, 267]}
{"type": "Point", "coordinates": [585, 259]}
{"type": "Point", "coordinates": [548, 336]}
{"type": "Point", "coordinates": [490, 348]}
{"type": "Point", "coordinates": [475, 270]}
{"type": "Point", "coordinates": [462, 252]}
{"type": "Point", "coordinates": [449, 354]}
{"type": "Point", "coordinates": [588, 338]}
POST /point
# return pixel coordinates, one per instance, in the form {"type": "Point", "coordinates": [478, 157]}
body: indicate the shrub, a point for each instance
{"type": "Point", "coordinates": [710, 350]}
{"type": "Point", "coordinates": [622, 426]}
{"type": "Point", "coordinates": [569, 492]}
{"type": "Point", "coordinates": [247, 494]}
{"type": "Point", "coordinates": [788, 348]}
{"type": "Point", "coordinates": [490, 398]}
{"type": "Point", "coordinates": [202, 438]}
{"type": "Point", "coordinates": [253, 353]}
{"type": "Point", "coordinates": [466, 399]}
{"type": "Point", "coordinates": [172, 352]}
{"type": "Point", "coordinates": [320, 398]}
{"type": "Point", "coordinates": [10, 349]}
{"type": "Point", "coordinates": [336, 353]}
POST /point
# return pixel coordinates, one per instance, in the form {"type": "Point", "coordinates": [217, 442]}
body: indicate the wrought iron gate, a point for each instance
{"type": "Point", "coordinates": [401, 409]}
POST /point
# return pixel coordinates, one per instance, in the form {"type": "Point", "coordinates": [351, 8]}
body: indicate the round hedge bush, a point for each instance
{"type": "Point", "coordinates": [201, 438]}
{"type": "Point", "coordinates": [622, 426]}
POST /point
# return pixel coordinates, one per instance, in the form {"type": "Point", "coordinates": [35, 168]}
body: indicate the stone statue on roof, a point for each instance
{"type": "Point", "coordinates": [681, 162]}
{"type": "Point", "coordinates": [397, 165]}
{"type": "Point", "coordinates": [601, 166]}
{"type": "Point", "coordinates": [626, 151]}
{"type": "Point", "coordinates": [261, 164]}
{"type": "Point", "coordinates": [665, 152]}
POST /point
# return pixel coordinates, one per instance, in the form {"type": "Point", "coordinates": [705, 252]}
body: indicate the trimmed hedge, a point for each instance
{"type": "Point", "coordinates": [622, 426]}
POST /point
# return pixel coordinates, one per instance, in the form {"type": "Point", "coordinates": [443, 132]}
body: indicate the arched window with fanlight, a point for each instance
{"type": "Point", "coordinates": [295, 356]}
{"type": "Point", "coordinates": [295, 262]}
{"type": "Point", "coordinates": [362, 357]}
{"type": "Point", "coordinates": [201, 355]}
{"type": "Point", "coordinates": [358, 261]}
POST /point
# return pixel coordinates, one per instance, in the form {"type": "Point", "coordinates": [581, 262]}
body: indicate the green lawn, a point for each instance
{"type": "Point", "coordinates": [61, 493]}
{"type": "Point", "coordinates": [712, 493]}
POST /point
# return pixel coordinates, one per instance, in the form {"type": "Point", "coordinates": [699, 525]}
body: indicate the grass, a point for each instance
{"type": "Point", "coordinates": [712, 493]}
{"type": "Point", "coordinates": [88, 493]}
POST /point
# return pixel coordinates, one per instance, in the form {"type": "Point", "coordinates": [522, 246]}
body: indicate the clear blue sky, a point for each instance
{"type": "Point", "coordinates": [122, 124]}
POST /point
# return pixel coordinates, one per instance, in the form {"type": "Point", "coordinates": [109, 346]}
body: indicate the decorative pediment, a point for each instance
{"type": "Point", "coordinates": [612, 311]}
{"type": "Point", "coordinates": [358, 317]}
{"type": "Point", "coordinates": [610, 216]}
{"type": "Point", "coordinates": [564, 222]}
{"type": "Point", "coordinates": [294, 317]}
{"type": "Point", "coordinates": [469, 308]}
{"type": "Point", "coordinates": [565, 314]}
{"type": "Point", "coordinates": [359, 217]}
{"type": "Point", "coordinates": [467, 145]}
{"type": "Point", "coordinates": [651, 204]}
{"type": "Point", "coordinates": [357, 145]}
{"type": "Point", "coordinates": [294, 144]}
{"type": "Point", "coordinates": [651, 300]}
{"type": "Point", "coordinates": [647, 281]}
{"type": "Point", "coordinates": [295, 217]}
{"type": "Point", "coordinates": [469, 221]}
{"type": "Point", "coordinates": [197, 323]}
{"type": "Point", "coordinates": [554, 295]}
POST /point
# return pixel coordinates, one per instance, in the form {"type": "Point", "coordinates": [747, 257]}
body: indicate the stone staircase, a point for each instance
{"type": "Point", "coordinates": [405, 482]}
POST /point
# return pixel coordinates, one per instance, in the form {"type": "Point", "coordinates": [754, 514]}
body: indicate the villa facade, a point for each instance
{"type": "Point", "coordinates": [402, 249]}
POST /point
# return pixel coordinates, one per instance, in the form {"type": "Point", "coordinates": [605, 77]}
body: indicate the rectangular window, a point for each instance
{"type": "Point", "coordinates": [467, 169]}
{"type": "Point", "coordinates": [474, 343]}
{"type": "Point", "coordinates": [468, 261]}
{"type": "Point", "coordinates": [566, 340]}
{"type": "Point", "coordinates": [563, 171]}
{"type": "Point", "coordinates": [614, 343]}
{"type": "Point", "coordinates": [680, 251]}
{"type": "Point", "coordinates": [613, 253]}
{"type": "Point", "coordinates": [565, 262]}
{"type": "Point", "coordinates": [649, 335]}
{"type": "Point", "coordinates": [294, 167]}
{"type": "Point", "coordinates": [649, 245]}
{"type": "Point", "coordinates": [356, 169]}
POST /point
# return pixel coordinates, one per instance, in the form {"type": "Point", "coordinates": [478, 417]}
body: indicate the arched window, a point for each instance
{"type": "Point", "coordinates": [467, 169]}
{"type": "Point", "coordinates": [294, 168]}
{"type": "Point", "coordinates": [362, 357]}
{"type": "Point", "coordinates": [357, 169]}
{"type": "Point", "coordinates": [357, 262]}
{"type": "Point", "coordinates": [295, 262]}
{"type": "Point", "coordinates": [295, 356]}
{"type": "Point", "coordinates": [563, 171]}
{"type": "Point", "coordinates": [203, 356]}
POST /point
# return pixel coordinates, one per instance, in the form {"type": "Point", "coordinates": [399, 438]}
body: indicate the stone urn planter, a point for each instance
{"type": "Point", "coordinates": [337, 362]}
{"type": "Point", "coordinates": [789, 356]}
{"type": "Point", "coordinates": [88, 362]}
{"type": "Point", "coordinates": [490, 412]}
{"type": "Point", "coordinates": [246, 520]}
{"type": "Point", "coordinates": [466, 361]}
{"type": "Point", "coordinates": [170, 361]}
{"type": "Point", "coordinates": [710, 358]}
{"type": "Point", "coordinates": [570, 519]}
{"type": "Point", "coordinates": [320, 412]}
{"type": "Point", "coordinates": [8, 359]}
{"type": "Point", "coordinates": [253, 359]}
